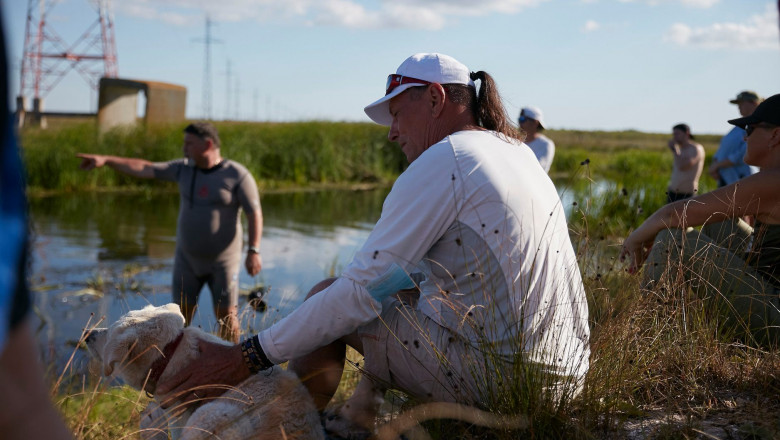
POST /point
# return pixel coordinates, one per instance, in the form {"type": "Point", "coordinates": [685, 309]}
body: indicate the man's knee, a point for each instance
{"type": "Point", "coordinates": [320, 286]}
{"type": "Point", "coordinates": [663, 256]}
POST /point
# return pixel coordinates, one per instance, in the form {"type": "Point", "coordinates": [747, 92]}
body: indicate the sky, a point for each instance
{"type": "Point", "coordinates": [588, 64]}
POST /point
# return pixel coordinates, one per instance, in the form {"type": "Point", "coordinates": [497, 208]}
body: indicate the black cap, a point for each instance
{"type": "Point", "coordinates": [768, 111]}
{"type": "Point", "coordinates": [684, 127]}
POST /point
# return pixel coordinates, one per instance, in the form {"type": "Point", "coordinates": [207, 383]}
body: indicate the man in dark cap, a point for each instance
{"type": "Point", "coordinates": [728, 165]}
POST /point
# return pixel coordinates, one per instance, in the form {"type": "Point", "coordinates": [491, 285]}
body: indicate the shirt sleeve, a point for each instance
{"type": "Point", "coordinates": [248, 195]}
{"type": "Point", "coordinates": [168, 170]}
{"type": "Point", "coordinates": [416, 213]}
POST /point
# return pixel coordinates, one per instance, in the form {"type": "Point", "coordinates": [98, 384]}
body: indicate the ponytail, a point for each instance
{"type": "Point", "coordinates": [489, 111]}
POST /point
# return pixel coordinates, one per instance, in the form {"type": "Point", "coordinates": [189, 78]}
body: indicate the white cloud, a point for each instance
{"type": "Point", "coordinates": [692, 3]}
{"type": "Point", "coordinates": [591, 26]}
{"type": "Point", "coordinates": [380, 14]}
{"type": "Point", "coordinates": [759, 32]}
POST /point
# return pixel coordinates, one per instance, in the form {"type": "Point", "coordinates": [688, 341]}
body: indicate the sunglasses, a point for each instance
{"type": "Point", "coordinates": [524, 118]}
{"type": "Point", "coordinates": [750, 128]}
{"type": "Point", "coordinates": [395, 80]}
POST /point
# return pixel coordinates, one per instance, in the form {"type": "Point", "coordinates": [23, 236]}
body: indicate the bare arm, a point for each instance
{"type": "Point", "coordinates": [254, 261]}
{"type": "Point", "coordinates": [217, 365]}
{"type": "Point", "coordinates": [673, 147]}
{"type": "Point", "coordinates": [127, 165]}
{"type": "Point", "coordinates": [25, 409]}
{"type": "Point", "coordinates": [754, 195]}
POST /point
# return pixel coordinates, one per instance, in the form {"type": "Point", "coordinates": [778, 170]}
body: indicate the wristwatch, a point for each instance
{"type": "Point", "coordinates": [254, 249]}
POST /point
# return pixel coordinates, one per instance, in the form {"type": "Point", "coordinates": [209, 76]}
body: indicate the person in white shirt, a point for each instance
{"type": "Point", "coordinates": [531, 120]}
{"type": "Point", "coordinates": [474, 226]}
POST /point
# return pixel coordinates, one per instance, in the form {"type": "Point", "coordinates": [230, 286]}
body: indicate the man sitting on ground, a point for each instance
{"type": "Point", "coordinates": [501, 296]}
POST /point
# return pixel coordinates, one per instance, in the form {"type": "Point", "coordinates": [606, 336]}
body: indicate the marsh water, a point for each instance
{"type": "Point", "coordinates": [97, 255]}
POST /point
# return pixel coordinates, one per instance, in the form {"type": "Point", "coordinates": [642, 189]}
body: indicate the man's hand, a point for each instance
{"type": "Point", "coordinates": [91, 161]}
{"type": "Point", "coordinates": [216, 369]}
{"type": "Point", "coordinates": [253, 263]}
{"type": "Point", "coordinates": [713, 171]}
{"type": "Point", "coordinates": [673, 146]}
{"type": "Point", "coordinates": [636, 252]}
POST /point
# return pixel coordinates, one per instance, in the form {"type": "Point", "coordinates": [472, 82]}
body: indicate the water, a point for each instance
{"type": "Point", "coordinates": [97, 256]}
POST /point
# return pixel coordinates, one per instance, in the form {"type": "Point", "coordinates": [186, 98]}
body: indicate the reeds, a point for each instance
{"type": "Point", "coordinates": [277, 154]}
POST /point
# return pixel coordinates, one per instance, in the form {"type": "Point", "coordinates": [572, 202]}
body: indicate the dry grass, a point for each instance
{"type": "Point", "coordinates": [659, 361]}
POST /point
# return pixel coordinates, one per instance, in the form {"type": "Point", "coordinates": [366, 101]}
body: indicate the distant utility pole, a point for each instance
{"type": "Point", "coordinates": [238, 98]}
{"type": "Point", "coordinates": [207, 41]}
{"type": "Point", "coordinates": [47, 59]}
{"type": "Point", "coordinates": [228, 92]}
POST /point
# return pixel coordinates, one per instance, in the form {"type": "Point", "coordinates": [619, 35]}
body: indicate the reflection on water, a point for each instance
{"type": "Point", "coordinates": [99, 255]}
{"type": "Point", "coordinates": [96, 256]}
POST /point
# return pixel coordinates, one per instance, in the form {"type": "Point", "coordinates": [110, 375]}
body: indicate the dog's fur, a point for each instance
{"type": "Point", "coordinates": [268, 405]}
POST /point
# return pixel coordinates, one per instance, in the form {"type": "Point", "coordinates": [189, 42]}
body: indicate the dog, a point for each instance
{"type": "Point", "coordinates": [152, 344]}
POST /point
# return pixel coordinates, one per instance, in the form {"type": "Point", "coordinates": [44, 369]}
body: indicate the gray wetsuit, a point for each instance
{"type": "Point", "coordinates": [209, 234]}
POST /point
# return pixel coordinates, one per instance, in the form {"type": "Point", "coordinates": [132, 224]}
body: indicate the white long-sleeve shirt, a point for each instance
{"type": "Point", "coordinates": [544, 149]}
{"type": "Point", "coordinates": [482, 220]}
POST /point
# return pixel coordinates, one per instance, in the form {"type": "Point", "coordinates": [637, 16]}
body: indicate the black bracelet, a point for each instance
{"type": "Point", "coordinates": [254, 356]}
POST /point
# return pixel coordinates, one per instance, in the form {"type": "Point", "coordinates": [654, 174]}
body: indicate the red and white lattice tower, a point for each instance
{"type": "Point", "coordinates": [47, 58]}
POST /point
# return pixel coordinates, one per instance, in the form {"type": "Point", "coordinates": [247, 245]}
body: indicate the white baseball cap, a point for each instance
{"type": "Point", "coordinates": [534, 113]}
{"type": "Point", "coordinates": [418, 70]}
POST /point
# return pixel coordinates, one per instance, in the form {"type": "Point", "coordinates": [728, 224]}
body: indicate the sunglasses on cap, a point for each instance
{"type": "Point", "coordinates": [749, 128]}
{"type": "Point", "coordinates": [396, 80]}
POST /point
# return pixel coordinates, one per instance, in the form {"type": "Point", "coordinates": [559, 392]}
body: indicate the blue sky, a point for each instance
{"type": "Point", "coordinates": [588, 64]}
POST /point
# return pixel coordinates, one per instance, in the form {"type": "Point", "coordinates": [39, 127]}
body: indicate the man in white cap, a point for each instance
{"type": "Point", "coordinates": [531, 120]}
{"type": "Point", "coordinates": [476, 229]}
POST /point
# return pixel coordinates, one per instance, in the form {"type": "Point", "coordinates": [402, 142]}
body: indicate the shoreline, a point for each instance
{"type": "Point", "coordinates": [282, 189]}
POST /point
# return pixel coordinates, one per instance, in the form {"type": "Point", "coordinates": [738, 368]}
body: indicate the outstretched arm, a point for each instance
{"type": "Point", "coordinates": [753, 195]}
{"type": "Point", "coordinates": [217, 366]}
{"type": "Point", "coordinates": [127, 165]}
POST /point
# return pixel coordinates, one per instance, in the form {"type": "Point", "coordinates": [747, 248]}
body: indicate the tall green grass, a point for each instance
{"type": "Point", "coordinates": [280, 154]}
{"type": "Point", "coordinates": [306, 153]}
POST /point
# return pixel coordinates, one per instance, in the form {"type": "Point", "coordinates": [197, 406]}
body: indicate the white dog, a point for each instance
{"type": "Point", "coordinates": [149, 345]}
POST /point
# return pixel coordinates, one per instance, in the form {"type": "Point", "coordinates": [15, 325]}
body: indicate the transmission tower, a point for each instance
{"type": "Point", "coordinates": [207, 41]}
{"type": "Point", "coordinates": [47, 58]}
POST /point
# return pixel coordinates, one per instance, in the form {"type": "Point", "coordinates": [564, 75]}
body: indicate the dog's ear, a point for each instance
{"type": "Point", "coordinates": [116, 350]}
{"type": "Point", "coordinates": [173, 308]}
